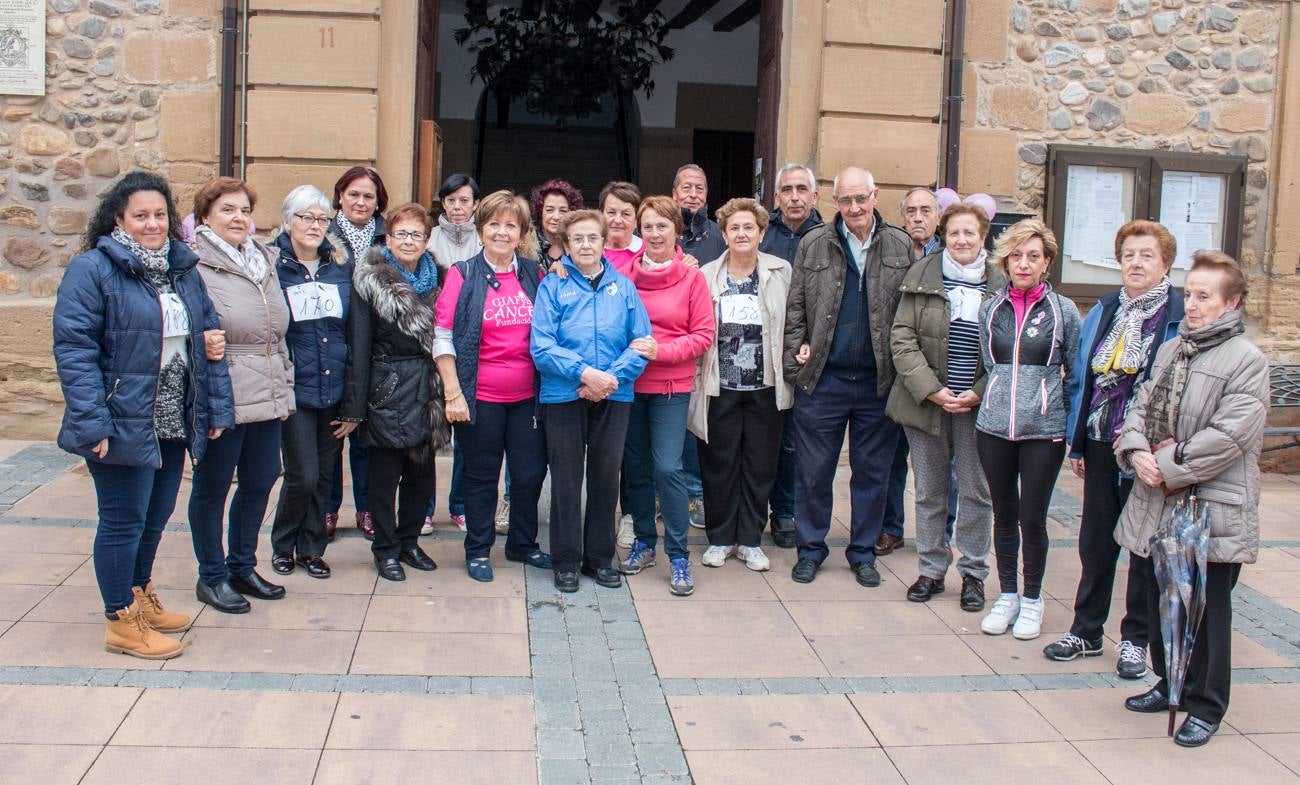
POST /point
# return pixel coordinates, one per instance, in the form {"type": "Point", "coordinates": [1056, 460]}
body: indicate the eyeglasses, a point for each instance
{"type": "Point", "coordinates": [403, 234]}
{"type": "Point", "coordinates": [861, 200]}
{"type": "Point", "coordinates": [584, 239]}
{"type": "Point", "coordinates": [309, 219]}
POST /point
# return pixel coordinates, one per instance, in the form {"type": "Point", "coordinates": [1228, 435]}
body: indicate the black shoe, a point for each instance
{"type": "Point", "coordinates": [972, 594]}
{"type": "Point", "coordinates": [604, 576]}
{"type": "Point", "coordinates": [282, 563]}
{"type": "Point", "coordinates": [222, 597]}
{"type": "Point", "coordinates": [867, 574]}
{"type": "Point", "coordinates": [925, 588]}
{"type": "Point", "coordinates": [254, 585]}
{"type": "Point", "coordinates": [535, 558]}
{"type": "Point", "coordinates": [783, 531]}
{"type": "Point", "coordinates": [417, 558]}
{"type": "Point", "coordinates": [315, 566]}
{"type": "Point", "coordinates": [1149, 702]}
{"type": "Point", "coordinates": [1070, 647]}
{"type": "Point", "coordinates": [390, 569]}
{"type": "Point", "coordinates": [1194, 732]}
{"type": "Point", "coordinates": [566, 582]}
{"type": "Point", "coordinates": [805, 570]}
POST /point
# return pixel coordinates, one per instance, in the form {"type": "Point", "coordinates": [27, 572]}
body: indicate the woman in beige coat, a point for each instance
{"type": "Point", "coordinates": [1198, 423]}
{"type": "Point", "coordinates": [241, 279]}
{"type": "Point", "coordinates": [739, 390]}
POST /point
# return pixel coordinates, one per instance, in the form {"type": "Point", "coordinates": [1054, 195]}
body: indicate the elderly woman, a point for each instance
{"type": "Point", "coordinates": [1029, 336]}
{"type": "Point", "coordinates": [936, 345]}
{"type": "Point", "coordinates": [590, 340]}
{"type": "Point", "coordinates": [241, 278]}
{"type": "Point", "coordinates": [393, 386]}
{"type": "Point", "coordinates": [681, 312]}
{"type": "Point", "coordinates": [318, 290]}
{"type": "Point", "coordinates": [1117, 348]}
{"type": "Point", "coordinates": [619, 202]}
{"type": "Point", "coordinates": [739, 391]}
{"type": "Point", "coordinates": [484, 316]}
{"type": "Point", "coordinates": [1197, 427]}
{"type": "Point", "coordinates": [551, 201]}
{"type": "Point", "coordinates": [139, 391]}
{"type": "Point", "coordinates": [360, 199]}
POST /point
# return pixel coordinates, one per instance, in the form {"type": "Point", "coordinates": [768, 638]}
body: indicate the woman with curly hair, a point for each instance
{"type": "Point", "coordinates": [551, 201]}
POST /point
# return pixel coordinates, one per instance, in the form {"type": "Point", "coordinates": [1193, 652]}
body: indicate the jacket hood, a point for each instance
{"type": "Point", "coordinates": [212, 256]}
{"type": "Point", "coordinates": [695, 220]}
{"type": "Point", "coordinates": [457, 233]}
{"type": "Point", "coordinates": [777, 221]}
{"type": "Point", "coordinates": [658, 279]}
{"type": "Point", "coordinates": [572, 266]}
{"type": "Point", "coordinates": [287, 254]}
{"type": "Point", "coordinates": [180, 256]}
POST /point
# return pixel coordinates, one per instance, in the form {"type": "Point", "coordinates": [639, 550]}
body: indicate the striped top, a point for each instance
{"type": "Point", "coordinates": [963, 343]}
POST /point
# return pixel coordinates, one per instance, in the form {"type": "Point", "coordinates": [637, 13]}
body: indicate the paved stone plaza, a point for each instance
{"type": "Point", "coordinates": [440, 679]}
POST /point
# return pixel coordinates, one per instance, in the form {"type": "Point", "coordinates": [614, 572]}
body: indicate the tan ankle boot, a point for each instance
{"type": "Point", "coordinates": [130, 634]}
{"type": "Point", "coordinates": [152, 610]}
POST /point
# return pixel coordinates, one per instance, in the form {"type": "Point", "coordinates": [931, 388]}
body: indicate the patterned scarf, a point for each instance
{"type": "Point", "coordinates": [360, 239]}
{"type": "Point", "coordinates": [1125, 350]}
{"type": "Point", "coordinates": [156, 263]}
{"type": "Point", "coordinates": [425, 277]}
{"type": "Point", "coordinates": [1167, 393]}
{"type": "Point", "coordinates": [247, 257]}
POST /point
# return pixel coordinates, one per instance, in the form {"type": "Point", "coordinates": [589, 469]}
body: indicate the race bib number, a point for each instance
{"type": "Point", "coordinates": [176, 319]}
{"type": "Point", "coordinates": [314, 300]}
{"type": "Point", "coordinates": [741, 309]}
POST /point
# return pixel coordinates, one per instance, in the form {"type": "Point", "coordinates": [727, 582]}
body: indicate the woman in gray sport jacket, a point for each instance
{"type": "Point", "coordinates": [1029, 336]}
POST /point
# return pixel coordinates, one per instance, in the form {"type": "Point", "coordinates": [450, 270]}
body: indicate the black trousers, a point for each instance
{"type": "Point", "coordinates": [1104, 495]}
{"type": "Point", "coordinates": [583, 439]}
{"type": "Point", "coordinates": [738, 464]}
{"type": "Point", "coordinates": [310, 454]}
{"type": "Point", "coordinates": [1021, 478]}
{"type": "Point", "coordinates": [400, 489]}
{"type": "Point", "coordinates": [509, 431]}
{"type": "Point", "coordinates": [1209, 674]}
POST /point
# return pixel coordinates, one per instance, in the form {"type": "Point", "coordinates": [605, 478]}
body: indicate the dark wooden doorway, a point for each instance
{"type": "Point", "coordinates": [427, 160]}
{"type": "Point", "coordinates": [727, 158]}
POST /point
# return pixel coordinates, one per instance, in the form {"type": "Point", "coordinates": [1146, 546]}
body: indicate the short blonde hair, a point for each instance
{"type": "Point", "coordinates": [742, 204]}
{"type": "Point", "coordinates": [515, 206]}
{"type": "Point", "coordinates": [1020, 233]}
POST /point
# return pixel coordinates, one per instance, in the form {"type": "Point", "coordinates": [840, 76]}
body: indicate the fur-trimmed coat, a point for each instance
{"type": "Point", "coordinates": [393, 385]}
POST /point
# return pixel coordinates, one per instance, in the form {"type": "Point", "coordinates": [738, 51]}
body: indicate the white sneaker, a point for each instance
{"type": "Point", "coordinates": [716, 555]}
{"type": "Point", "coordinates": [427, 527]}
{"type": "Point", "coordinates": [1004, 612]}
{"type": "Point", "coordinates": [1030, 621]}
{"type": "Point", "coordinates": [626, 534]}
{"type": "Point", "coordinates": [503, 517]}
{"type": "Point", "coordinates": [754, 558]}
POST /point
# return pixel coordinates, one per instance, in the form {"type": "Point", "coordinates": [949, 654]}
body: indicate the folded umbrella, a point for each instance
{"type": "Point", "coordinates": [1179, 550]}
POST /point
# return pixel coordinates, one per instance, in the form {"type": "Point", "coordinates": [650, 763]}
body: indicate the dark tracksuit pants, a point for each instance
{"type": "Point", "coordinates": [1021, 475]}
{"type": "Point", "coordinates": [509, 431]}
{"type": "Point", "coordinates": [738, 464]}
{"type": "Point", "coordinates": [310, 455]}
{"type": "Point", "coordinates": [584, 439]}
{"type": "Point", "coordinates": [400, 489]}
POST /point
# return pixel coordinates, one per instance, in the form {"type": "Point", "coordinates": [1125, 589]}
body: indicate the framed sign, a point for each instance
{"type": "Point", "coordinates": [1093, 191]}
{"type": "Point", "coordinates": [22, 47]}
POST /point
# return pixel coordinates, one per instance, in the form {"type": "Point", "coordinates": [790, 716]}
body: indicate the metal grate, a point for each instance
{"type": "Point", "coordinates": [1284, 385]}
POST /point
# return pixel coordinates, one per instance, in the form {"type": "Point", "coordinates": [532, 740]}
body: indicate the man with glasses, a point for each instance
{"type": "Point", "coordinates": [843, 295]}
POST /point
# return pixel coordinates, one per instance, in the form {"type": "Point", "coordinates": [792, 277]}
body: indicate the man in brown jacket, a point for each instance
{"type": "Point", "coordinates": [843, 295]}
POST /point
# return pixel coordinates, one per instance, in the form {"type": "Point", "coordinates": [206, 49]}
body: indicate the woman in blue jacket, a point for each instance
{"type": "Point", "coordinates": [590, 341]}
{"type": "Point", "coordinates": [139, 390]}
{"type": "Point", "coordinates": [317, 283]}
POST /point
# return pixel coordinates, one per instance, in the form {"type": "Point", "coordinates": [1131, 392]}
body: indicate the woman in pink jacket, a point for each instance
{"type": "Point", "coordinates": [681, 313]}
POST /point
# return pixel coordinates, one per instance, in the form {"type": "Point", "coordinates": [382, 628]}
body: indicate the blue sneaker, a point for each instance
{"type": "Point", "coordinates": [681, 583]}
{"type": "Point", "coordinates": [641, 557]}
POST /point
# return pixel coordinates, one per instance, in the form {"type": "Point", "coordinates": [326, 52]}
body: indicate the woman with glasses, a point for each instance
{"type": "Point", "coordinates": [318, 290]}
{"type": "Point", "coordinates": [393, 389]}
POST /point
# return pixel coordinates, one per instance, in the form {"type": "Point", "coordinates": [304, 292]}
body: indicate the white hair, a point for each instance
{"type": "Point", "coordinates": [300, 199]}
{"type": "Point", "coordinates": [794, 167]}
{"type": "Point", "coordinates": [920, 189]}
{"type": "Point", "coordinates": [835, 184]}
{"type": "Point", "coordinates": [689, 168]}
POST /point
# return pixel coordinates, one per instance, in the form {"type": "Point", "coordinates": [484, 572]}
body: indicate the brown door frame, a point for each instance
{"type": "Point", "coordinates": [768, 80]}
{"type": "Point", "coordinates": [425, 160]}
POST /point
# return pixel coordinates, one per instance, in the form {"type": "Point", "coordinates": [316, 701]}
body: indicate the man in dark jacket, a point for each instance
{"type": "Point", "coordinates": [796, 215]}
{"type": "Point", "coordinates": [843, 294]}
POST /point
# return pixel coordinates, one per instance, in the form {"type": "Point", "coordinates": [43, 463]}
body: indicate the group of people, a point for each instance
{"type": "Point", "coordinates": [678, 370]}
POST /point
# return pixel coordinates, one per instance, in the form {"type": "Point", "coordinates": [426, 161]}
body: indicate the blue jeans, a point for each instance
{"type": "Point", "coordinates": [691, 466]}
{"type": "Point", "coordinates": [652, 466]}
{"type": "Point", "coordinates": [782, 498]}
{"type": "Point", "coordinates": [456, 496]}
{"type": "Point", "coordinates": [134, 505]}
{"type": "Point", "coordinates": [360, 478]}
{"type": "Point", "coordinates": [252, 449]}
{"type": "Point", "coordinates": [893, 523]}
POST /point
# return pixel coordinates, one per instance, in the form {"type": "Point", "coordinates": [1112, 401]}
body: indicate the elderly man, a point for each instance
{"type": "Point", "coordinates": [796, 215]}
{"type": "Point", "coordinates": [843, 295]}
{"type": "Point", "coordinates": [920, 211]}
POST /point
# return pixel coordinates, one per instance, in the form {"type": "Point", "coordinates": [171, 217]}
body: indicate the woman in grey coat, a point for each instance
{"type": "Point", "coordinates": [1029, 336]}
{"type": "Point", "coordinates": [1198, 423]}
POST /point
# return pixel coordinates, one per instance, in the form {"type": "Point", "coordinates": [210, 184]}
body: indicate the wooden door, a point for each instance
{"type": "Point", "coordinates": [427, 159]}
{"type": "Point", "coordinates": [769, 98]}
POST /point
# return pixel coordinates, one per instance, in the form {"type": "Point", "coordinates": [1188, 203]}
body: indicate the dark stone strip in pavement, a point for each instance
{"type": "Point", "coordinates": [33, 465]}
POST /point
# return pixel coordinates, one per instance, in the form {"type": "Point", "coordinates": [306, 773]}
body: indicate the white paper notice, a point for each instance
{"type": "Point", "coordinates": [176, 319]}
{"type": "Point", "coordinates": [1095, 202]}
{"type": "Point", "coordinates": [314, 300]}
{"type": "Point", "coordinates": [1175, 198]}
{"type": "Point", "coordinates": [22, 47]}
{"type": "Point", "coordinates": [1205, 199]}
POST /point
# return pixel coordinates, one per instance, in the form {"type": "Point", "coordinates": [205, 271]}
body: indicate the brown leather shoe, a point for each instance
{"type": "Point", "coordinates": [924, 588]}
{"type": "Point", "coordinates": [886, 543]}
{"type": "Point", "coordinates": [972, 593]}
{"type": "Point", "coordinates": [366, 524]}
{"type": "Point", "coordinates": [331, 524]}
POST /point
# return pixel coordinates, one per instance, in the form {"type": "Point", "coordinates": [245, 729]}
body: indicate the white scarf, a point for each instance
{"type": "Point", "coordinates": [963, 302]}
{"type": "Point", "coordinates": [249, 259]}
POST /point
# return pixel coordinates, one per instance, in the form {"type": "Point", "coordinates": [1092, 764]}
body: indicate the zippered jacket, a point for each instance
{"type": "Point", "coordinates": [108, 339]}
{"type": "Point", "coordinates": [318, 348]}
{"type": "Point", "coordinates": [576, 327]}
{"type": "Point", "coordinates": [1031, 379]}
